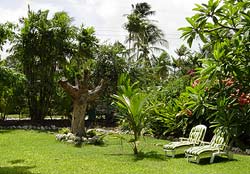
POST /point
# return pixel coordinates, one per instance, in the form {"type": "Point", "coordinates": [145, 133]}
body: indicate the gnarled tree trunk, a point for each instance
{"type": "Point", "coordinates": [81, 96]}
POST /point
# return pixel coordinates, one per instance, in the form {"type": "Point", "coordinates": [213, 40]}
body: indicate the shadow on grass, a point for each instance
{"type": "Point", "coordinates": [3, 131]}
{"type": "Point", "coordinates": [218, 159]}
{"type": "Point", "coordinates": [180, 155]}
{"type": "Point", "coordinates": [143, 155]}
{"type": "Point", "coordinates": [16, 170]}
{"type": "Point", "coordinates": [16, 161]}
{"type": "Point", "coordinates": [152, 155]}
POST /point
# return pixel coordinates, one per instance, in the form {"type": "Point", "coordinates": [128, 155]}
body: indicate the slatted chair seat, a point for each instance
{"type": "Point", "coordinates": [174, 145]}
{"type": "Point", "coordinates": [196, 135]}
{"type": "Point", "coordinates": [201, 149]}
{"type": "Point", "coordinates": [217, 146]}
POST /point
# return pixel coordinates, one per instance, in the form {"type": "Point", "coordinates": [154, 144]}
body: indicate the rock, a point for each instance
{"type": "Point", "coordinates": [42, 128]}
{"type": "Point", "coordinates": [84, 139]}
{"type": "Point", "coordinates": [236, 150]}
{"type": "Point", "coordinates": [94, 139]}
{"type": "Point", "coordinates": [60, 137]}
{"type": "Point", "coordinates": [70, 141]}
{"type": "Point", "coordinates": [25, 127]}
{"type": "Point", "coordinates": [53, 127]}
{"type": "Point", "coordinates": [70, 136]}
{"type": "Point", "coordinates": [78, 139]}
{"type": "Point", "coordinates": [248, 151]}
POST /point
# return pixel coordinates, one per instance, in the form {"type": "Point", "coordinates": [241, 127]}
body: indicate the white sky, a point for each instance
{"type": "Point", "coordinates": [107, 16]}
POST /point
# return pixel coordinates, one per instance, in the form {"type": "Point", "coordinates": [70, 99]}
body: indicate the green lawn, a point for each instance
{"type": "Point", "coordinates": [34, 152]}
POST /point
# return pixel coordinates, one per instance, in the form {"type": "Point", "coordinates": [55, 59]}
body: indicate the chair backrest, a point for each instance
{"type": "Point", "coordinates": [219, 139]}
{"type": "Point", "coordinates": [197, 133]}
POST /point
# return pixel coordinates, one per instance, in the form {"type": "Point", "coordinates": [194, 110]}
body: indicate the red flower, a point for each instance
{"type": "Point", "coordinates": [195, 83]}
{"type": "Point", "coordinates": [244, 99]}
{"type": "Point", "coordinates": [189, 112]}
{"type": "Point", "coordinates": [191, 72]}
{"type": "Point", "coordinates": [228, 82]}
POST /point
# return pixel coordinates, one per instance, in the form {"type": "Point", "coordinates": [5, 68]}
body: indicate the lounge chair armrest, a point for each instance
{"type": "Point", "coordinates": [224, 146]}
{"type": "Point", "coordinates": [183, 139]}
{"type": "Point", "coordinates": [204, 143]}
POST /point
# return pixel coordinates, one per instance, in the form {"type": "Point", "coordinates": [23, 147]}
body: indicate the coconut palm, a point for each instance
{"type": "Point", "coordinates": [144, 36]}
{"type": "Point", "coordinates": [135, 117]}
{"type": "Point", "coordinates": [131, 103]}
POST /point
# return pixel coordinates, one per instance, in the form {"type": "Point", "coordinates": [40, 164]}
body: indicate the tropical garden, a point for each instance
{"type": "Point", "coordinates": [147, 97]}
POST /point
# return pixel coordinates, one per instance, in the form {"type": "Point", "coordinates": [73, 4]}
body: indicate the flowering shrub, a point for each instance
{"type": "Point", "coordinates": [220, 94]}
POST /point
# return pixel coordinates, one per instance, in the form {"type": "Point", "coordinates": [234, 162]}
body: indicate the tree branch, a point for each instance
{"type": "Point", "coordinates": [93, 94]}
{"type": "Point", "coordinates": [211, 30]}
{"type": "Point", "coordinates": [230, 28]}
{"type": "Point", "coordinates": [68, 88]}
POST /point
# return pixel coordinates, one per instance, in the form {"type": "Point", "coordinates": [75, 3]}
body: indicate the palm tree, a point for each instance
{"type": "Point", "coordinates": [143, 33]}
{"type": "Point", "coordinates": [131, 102]}
{"type": "Point", "coordinates": [143, 9]}
{"type": "Point", "coordinates": [163, 66]}
{"type": "Point", "coordinates": [135, 117]}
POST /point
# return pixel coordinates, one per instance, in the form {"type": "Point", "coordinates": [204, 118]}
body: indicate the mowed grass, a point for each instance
{"type": "Point", "coordinates": [34, 152]}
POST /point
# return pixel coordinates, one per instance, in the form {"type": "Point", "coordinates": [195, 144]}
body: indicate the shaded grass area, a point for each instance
{"type": "Point", "coordinates": [34, 152]}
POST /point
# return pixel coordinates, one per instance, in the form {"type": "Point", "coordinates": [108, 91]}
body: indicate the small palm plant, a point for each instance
{"type": "Point", "coordinates": [131, 102]}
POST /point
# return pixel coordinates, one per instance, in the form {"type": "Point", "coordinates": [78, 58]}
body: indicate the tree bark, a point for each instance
{"type": "Point", "coordinates": [80, 95]}
{"type": "Point", "coordinates": [78, 119]}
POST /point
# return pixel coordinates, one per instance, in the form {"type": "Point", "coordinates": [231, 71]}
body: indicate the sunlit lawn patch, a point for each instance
{"type": "Point", "coordinates": [33, 152]}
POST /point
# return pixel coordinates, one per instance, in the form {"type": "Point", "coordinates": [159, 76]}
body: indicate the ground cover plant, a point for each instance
{"type": "Point", "coordinates": [33, 152]}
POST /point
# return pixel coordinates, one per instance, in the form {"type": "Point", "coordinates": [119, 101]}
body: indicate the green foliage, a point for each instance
{"type": "Point", "coordinates": [164, 118]}
{"type": "Point", "coordinates": [223, 26]}
{"type": "Point", "coordinates": [125, 87]}
{"type": "Point", "coordinates": [6, 33]}
{"type": "Point", "coordinates": [64, 130]}
{"type": "Point", "coordinates": [99, 140]}
{"type": "Point", "coordinates": [194, 102]}
{"type": "Point", "coordinates": [131, 103]}
{"type": "Point", "coordinates": [86, 47]}
{"type": "Point", "coordinates": [166, 90]}
{"type": "Point", "coordinates": [91, 133]}
{"type": "Point", "coordinates": [61, 104]}
{"type": "Point", "coordinates": [11, 91]}
{"type": "Point", "coordinates": [110, 64]}
{"type": "Point", "coordinates": [41, 44]}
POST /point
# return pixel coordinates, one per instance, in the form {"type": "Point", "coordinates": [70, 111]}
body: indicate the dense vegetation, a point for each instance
{"type": "Point", "coordinates": [160, 94]}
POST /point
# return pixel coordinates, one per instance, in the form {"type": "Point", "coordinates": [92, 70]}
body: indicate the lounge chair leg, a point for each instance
{"type": "Point", "coordinates": [173, 154]}
{"type": "Point", "coordinates": [230, 155]}
{"type": "Point", "coordinates": [197, 159]}
{"type": "Point", "coordinates": [188, 158]}
{"type": "Point", "coordinates": [212, 158]}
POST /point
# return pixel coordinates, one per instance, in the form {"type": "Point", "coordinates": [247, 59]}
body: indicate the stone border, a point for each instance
{"type": "Point", "coordinates": [31, 127]}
